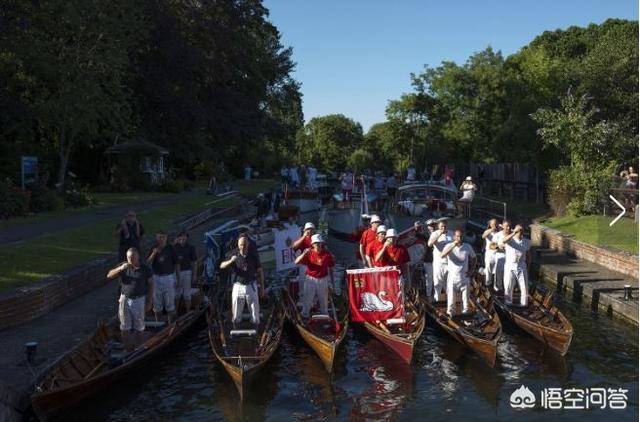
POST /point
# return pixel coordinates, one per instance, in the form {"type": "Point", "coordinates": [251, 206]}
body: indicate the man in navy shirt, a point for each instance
{"type": "Point", "coordinates": [136, 291]}
{"type": "Point", "coordinates": [166, 269]}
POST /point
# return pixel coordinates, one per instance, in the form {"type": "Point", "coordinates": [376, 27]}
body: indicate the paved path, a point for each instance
{"type": "Point", "coordinates": [30, 230]}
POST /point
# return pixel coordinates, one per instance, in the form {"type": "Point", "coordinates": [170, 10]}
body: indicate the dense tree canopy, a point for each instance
{"type": "Point", "coordinates": [208, 80]}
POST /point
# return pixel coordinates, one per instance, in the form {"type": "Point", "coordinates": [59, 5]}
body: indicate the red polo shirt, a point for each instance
{"type": "Point", "coordinates": [318, 264]}
{"type": "Point", "coordinates": [368, 235]}
{"type": "Point", "coordinates": [306, 243]}
{"type": "Point", "coordinates": [395, 255]}
{"type": "Point", "coordinates": [372, 250]}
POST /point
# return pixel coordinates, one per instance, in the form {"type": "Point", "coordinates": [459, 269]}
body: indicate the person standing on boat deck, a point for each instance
{"type": "Point", "coordinates": [438, 240]}
{"type": "Point", "coordinates": [166, 269]}
{"type": "Point", "coordinates": [392, 254]}
{"type": "Point", "coordinates": [427, 260]}
{"type": "Point", "coordinates": [367, 236]}
{"type": "Point", "coordinates": [517, 259]}
{"type": "Point", "coordinates": [248, 283]}
{"type": "Point", "coordinates": [293, 177]}
{"type": "Point", "coordinates": [468, 189]}
{"type": "Point", "coordinates": [130, 231]}
{"type": "Point", "coordinates": [499, 256]}
{"type": "Point", "coordinates": [374, 247]}
{"type": "Point", "coordinates": [187, 259]}
{"type": "Point", "coordinates": [392, 188]}
{"type": "Point", "coordinates": [319, 273]}
{"type": "Point", "coordinates": [490, 245]}
{"type": "Point", "coordinates": [346, 183]}
{"type": "Point", "coordinates": [301, 244]}
{"type": "Point", "coordinates": [461, 263]}
{"type": "Point", "coordinates": [136, 293]}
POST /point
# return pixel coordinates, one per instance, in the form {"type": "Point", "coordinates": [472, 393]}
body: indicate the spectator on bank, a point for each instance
{"type": "Point", "coordinates": [130, 232]}
{"type": "Point", "coordinates": [284, 175]}
{"type": "Point", "coordinates": [631, 179]}
{"type": "Point", "coordinates": [294, 178]}
{"type": "Point", "coordinates": [468, 189]}
{"type": "Point", "coordinates": [213, 186]}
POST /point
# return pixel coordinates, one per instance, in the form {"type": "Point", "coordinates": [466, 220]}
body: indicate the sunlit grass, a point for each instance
{"type": "Point", "coordinates": [595, 229]}
{"type": "Point", "coordinates": [25, 262]}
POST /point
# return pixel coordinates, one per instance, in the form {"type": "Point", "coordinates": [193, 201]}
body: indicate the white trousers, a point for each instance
{"type": "Point", "coordinates": [315, 287]}
{"type": "Point", "coordinates": [241, 294]}
{"type": "Point", "coordinates": [489, 267]}
{"type": "Point", "coordinates": [439, 279]}
{"type": "Point", "coordinates": [515, 274]}
{"type": "Point", "coordinates": [131, 313]}
{"type": "Point", "coordinates": [183, 288]}
{"type": "Point", "coordinates": [164, 293]}
{"type": "Point", "coordinates": [454, 286]}
{"type": "Point", "coordinates": [427, 269]}
{"type": "Point", "coordinates": [499, 271]}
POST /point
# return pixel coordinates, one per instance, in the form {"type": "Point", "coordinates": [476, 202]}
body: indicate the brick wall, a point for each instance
{"type": "Point", "coordinates": [613, 259]}
{"type": "Point", "coordinates": [36, 299]}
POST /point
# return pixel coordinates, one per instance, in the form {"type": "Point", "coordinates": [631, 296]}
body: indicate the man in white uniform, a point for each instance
{"type": "Point", "coordinates": [517, 258]}
{"type": "Point", "coordinates": [490, 247]}
{"type": "Point", "coordinates": [461, 263]}
{"type": "Point", "coordinates": [438, 240]}
{"type": "Point", "coordinates": [499, 255]}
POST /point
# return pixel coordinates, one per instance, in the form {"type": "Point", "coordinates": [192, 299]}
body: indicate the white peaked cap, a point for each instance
{"type": "Point", "coordinates": [468, 178]}
{"type": "Point", "coordinates": [381, 228]}
{"type": "Point", "coordinates": [316, 238]}
{"type": "Point", "coordinates": [309, 225]}
{"type": "Point", "coordinates": [392, 233]}
{"type": "Point", "coordinates": [375, 218]}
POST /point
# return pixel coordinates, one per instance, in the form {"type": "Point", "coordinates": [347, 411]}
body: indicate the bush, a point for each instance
{"type": "Point", "coordinates": [45, 199]}
{"type": "Point", "coordinates": [170, 185]}
{"type": "Point", "coordinates": [577, 192]}
{"type": "Point", "coordinates": [77, 198]}
{"type": "Point", "coordinates": [15, 202]}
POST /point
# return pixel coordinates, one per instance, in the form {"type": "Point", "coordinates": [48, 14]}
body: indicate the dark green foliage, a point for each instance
{"type": "Point", "coordinates": [44, 199]}
{"type": "Point", "coordinates": [15, 202]}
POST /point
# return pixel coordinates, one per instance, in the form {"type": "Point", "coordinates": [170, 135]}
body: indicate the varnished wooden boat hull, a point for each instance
{"type": "Point", "coordinates": [556, 338]}
{"type": "Point", "coordinates": [325, 349]}
{"type": "Point", "coordinates": [243, 369]}
{"type": "Point", "coordinates": [486, 347]}
{"type": "Point", "coordinates": [52, 401]}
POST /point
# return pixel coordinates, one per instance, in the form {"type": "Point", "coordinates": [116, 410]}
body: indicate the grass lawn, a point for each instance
{"type": "Point", "coordinates": [50, 254]}
{"type": "Point", "coordinates": [595, 229]}
{"type": "Point", "coordinates": [520, 207]}
{"type": "Point", "coordinates": [105, 200]}
{"type": "Point", "coordinates": [253, 187]}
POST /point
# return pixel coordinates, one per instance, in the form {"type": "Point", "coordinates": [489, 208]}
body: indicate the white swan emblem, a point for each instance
{"type": "Point", "coordinates": [373, 303]}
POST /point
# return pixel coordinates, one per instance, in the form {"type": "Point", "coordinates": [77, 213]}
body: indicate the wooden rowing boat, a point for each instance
{"type": "Point", "coordinates": [539, 318]}
{"type": "Point", "coordinates": [243, 351]}
{"type": "Point", "coordinates": [401, 336]}
{"type": "Point", "coordinates": [479, 330]}
{"type": "Point", "coordinates": [101, 361]}
{"type": "Point", "coordinates": [323, 333]}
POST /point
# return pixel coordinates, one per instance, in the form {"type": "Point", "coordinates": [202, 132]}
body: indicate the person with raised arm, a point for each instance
{"type": "Point", "coordinates": [461, 264]}
{"type": "Point", "coordinates": [517, 259]}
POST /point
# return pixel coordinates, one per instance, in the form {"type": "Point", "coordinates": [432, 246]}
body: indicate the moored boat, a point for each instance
{"type": "Point", "coordinates": [323, 333]}
{"type": "Point", "coordinates": [102, 360]}
{"type": "Point", "coordinates": [401, 335]}
{"type": "Point", "coordinates": [479, 329]}
{"type": "Point", "coordinates": [244, 350]}
{"type": "Point", "coordinates": [539, 318]}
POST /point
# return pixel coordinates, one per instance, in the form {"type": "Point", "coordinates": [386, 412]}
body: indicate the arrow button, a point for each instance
{"type": "Point", "coordinates": [624, 210]}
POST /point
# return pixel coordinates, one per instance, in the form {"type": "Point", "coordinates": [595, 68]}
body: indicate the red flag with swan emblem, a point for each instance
{"type": "Point", "coordinates": [375, 294]}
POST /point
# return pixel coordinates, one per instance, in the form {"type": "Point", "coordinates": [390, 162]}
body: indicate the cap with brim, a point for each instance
{"type": "Point", "coordinates": [391, 233]}
{"type": "Point", "coordinates": [468, 178]}
{"type": "Point", "coordinates": [316, 238]}
{"type": "Point", "coordinates": [375, 219]}
{"type": "Point", "coordinates": [309, 226]}
{"type": "Point", "coordinates": [430, 222]}
{"type": "Point", "coordinates": [381, 229]}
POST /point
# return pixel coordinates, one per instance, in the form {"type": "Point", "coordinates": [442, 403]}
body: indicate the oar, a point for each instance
{"type": "Point", "coordinates": [266, 329]}
{"type": "Point", "coordinates": [336, 323]}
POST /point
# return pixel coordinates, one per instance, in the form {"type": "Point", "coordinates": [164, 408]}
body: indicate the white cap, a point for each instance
{"type": "Point", "coordinates": [381, 228]}
{"type": "Point", "coordinates": [430, 222]}
{"type": "Point", "coordinates": [309, 226]}
{"type": "Point", "coordinates": [316, 238]}
{"type": "Point", "coordinates": [392, 233]}
{"type": "Point", "coordinates": [375, 219]}
{"type": "Point", "coordinates": [468, 178]}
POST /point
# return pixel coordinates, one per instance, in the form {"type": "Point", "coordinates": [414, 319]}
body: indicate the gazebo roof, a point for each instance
{"type": "Point", "coordinates": [138, 145]}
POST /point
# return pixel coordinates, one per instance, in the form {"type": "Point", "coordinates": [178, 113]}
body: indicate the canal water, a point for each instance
{"type": "Point", "coordinates": [445, 381]}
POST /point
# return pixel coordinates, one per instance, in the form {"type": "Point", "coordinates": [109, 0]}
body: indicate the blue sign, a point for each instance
{"type": "Point", "coordinates": [29, 171]}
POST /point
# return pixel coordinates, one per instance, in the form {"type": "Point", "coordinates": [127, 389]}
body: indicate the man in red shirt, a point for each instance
{"type": "Point", "coordinates": [392, 254]}
{"type": "Point", "coordinates": [374, 247]}
{"type": "Point", "coordinates": [369, 235]}
{"type": "Point", "coordinates": [320, 263]}
{"type": "Point", "coordinates": [304, 242]}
